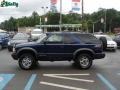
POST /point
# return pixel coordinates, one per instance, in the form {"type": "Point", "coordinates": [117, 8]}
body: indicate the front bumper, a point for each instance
{"type": "Point", "coordinates": [10, 48]}
{"type": "Point", "coordinates": [99, 55]}
{"type": "Point", "coordinates": [14, 56]}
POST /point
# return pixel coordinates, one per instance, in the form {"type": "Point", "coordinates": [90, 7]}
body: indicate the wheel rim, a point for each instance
{"type": "Point", "coordinates": [84, 61]}
{"type": "Point", "coordinates": [26, 62]}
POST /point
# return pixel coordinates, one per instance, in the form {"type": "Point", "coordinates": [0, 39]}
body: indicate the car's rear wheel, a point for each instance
{"type": "Point", "coordinates": [104, 42]}
{"type": "Point", "coordinates": [0, 46]}
{"type": "Point", "coordinates": [84, 61]}
{"type": "Point", "coordinates": [26, 61]}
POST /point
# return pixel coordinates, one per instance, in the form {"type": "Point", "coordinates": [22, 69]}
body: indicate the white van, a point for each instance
{"type": "Point", "coordinates": [36, 33]}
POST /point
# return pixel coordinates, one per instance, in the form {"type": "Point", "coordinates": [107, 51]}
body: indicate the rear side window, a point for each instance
{"type": "Point", "coordinates": [87, 38]}
{"type": "Point", "coordinates": [71, 39]}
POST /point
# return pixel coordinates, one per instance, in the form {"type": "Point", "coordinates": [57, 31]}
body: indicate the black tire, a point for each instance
{"type": "Point", "coordinates": [114, 50]}
{"type": "Point", "coordinates": [9, 49]}
{"type": "Point", "coordinates": [104, 42]}
{"type": "Point", "coordinates": [81, 64]}
{"type": "Point", "coordinates": [26, 64]}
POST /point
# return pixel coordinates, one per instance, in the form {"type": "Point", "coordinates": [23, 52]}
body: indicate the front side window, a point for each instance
{"type": "Point", "coordinates": [55, 38]}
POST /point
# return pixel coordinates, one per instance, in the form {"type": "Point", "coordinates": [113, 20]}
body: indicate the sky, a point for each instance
{"type": "Point", "coordinates": [26, 7]}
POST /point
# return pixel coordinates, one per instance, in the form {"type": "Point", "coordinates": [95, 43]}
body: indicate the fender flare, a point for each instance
{"type": "Point", "coordinates": [27, 48]}
{"type": "Point", "coordinates": [83, 49]}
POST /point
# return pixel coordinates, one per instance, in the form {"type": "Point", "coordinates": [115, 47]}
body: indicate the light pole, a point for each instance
{"type": "Point", "coordinates": [60, 22]}
{"type": "Point", "coordinates": [40, 20]}
{"type": "Point", "coordinates": [94, 25]}
{"type": "Point", "coordinates": [105, 20]}
{"type": "Point", "coordinates": [82, 13]}
{"type": "Point", "coordinates": [44, 9]}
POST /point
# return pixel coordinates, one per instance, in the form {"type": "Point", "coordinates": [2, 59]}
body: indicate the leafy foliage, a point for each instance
{"type": "Point", "coordinates": [112, 20]}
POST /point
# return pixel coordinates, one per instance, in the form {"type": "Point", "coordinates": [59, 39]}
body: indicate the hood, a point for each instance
{"type": "Point", "coordinates": [18, 41]}
{"type": "Point", "coordinates": [111, 42]}
{"type": "Point", "coordinates": [26, 44]}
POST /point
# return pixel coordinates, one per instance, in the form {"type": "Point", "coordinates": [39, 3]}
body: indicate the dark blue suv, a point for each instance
{"type": "Point", "coordinates": [60, 46]}
{"type": "Point", "coordinates": [4, 38]}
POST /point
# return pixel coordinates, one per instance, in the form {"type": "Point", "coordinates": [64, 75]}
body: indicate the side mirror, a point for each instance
{"type": "Point", "coordinates": [30, 40]}
{"type": "Point", "coordinates": [45, 42]}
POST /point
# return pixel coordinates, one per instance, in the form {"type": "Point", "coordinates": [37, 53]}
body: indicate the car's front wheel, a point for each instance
{"type": "Point", "coordinates": [84, 61]}
{"type": "Point", "coordinates": [26, 61]}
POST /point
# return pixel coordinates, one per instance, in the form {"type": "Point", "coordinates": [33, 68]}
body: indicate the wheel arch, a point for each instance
{"type": "Point", "coordinates": [27, 50]}
{"type": "Point", "coordinates": [84, 51]}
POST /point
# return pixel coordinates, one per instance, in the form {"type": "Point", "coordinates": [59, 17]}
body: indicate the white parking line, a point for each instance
{"type": "Point", "coordinates": [118, 73]}
{"type": "Point", "coordinates": [70, 74]}
{"type": "Point", "coordinates": [62, 86]}
{"type": "Point", "coordinates": [106, 82]}
{"type": "Point", "coordinates": [1, 79]}
{"type": "Point", "coordinates": [68, 78]}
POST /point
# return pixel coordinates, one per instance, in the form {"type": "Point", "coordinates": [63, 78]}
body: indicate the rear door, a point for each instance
{"type": "Point", "coordinates": [71, 44]}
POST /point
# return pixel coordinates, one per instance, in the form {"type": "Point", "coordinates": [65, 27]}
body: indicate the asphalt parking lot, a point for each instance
{"type": "Point", "coordinates": [104, 75]}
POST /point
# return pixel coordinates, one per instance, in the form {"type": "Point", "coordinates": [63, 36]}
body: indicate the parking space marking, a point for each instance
{"type": "Point", "coordinates": [106, 82]}
{"type": "Point", "coordinates": [61, 76]}
{"type": "Point", "coordinates": [4, 79]}
{"type": "Point", "coordinates": [69, 74]}
{"type": "Point", "coordinates": [118, 73]}
{"type": "Point", "coordinates": [61, 86]}
{"type": "Point", "coordinates": [30, 82]}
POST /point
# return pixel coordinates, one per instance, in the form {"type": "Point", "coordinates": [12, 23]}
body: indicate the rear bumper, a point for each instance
{"type": "Point", "coordinates": [99, 55]}
{"type": "Point", "coordinates": [14, 56]}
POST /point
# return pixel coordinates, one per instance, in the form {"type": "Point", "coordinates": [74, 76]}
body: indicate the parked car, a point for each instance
{"type": "Point", "coordinates": [36, 33]}
{"type": "Point", "coordinates": [4, 38]}
{"type": "Point", "coordinates": [17, 39]}
{"type": "Point", "coordinates": [64, 46]}
{"type": "Point", "coordinates": [111, 45]}
{"type": "Point", "coordinates": [117, 40]}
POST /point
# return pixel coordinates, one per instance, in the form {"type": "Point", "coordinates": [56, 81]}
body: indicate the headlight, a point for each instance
{"type": "Point", "coordinates": [13, 49]}
{"type": "Point", "coordinates": [9, 43]}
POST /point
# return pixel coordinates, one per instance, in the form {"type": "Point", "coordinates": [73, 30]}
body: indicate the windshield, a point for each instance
{"type": "Point", "coordinates": [42, 38]}
{"type": "Point", "coordinates": [108, 38]}
{"type": "Point", "coordinates": [2, 34]}
{"type": "Point", "coordinates": [20, 36]}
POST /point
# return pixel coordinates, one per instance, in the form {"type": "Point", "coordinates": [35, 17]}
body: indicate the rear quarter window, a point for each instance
{"type": "Point", "coordinates": [88, 38]}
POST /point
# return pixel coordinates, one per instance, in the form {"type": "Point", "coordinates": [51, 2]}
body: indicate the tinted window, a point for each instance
{"type": "Point", "coordinates": [118, 37]}
{"type": "Point", "coordinates": [71, 39]}
{"type": "Point", "coordinates": [87, 38]}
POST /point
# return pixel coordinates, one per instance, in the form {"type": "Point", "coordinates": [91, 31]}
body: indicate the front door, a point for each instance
{"type": "Point", "coordinates": [54, 47]}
